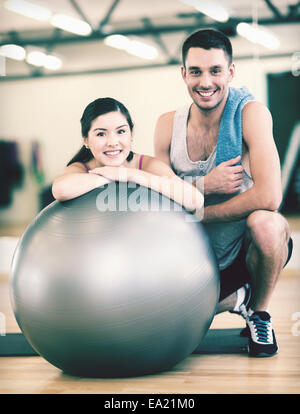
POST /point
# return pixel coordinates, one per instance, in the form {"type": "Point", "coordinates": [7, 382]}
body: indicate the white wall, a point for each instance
{"type": "Point", "coordinates": [49, 110]}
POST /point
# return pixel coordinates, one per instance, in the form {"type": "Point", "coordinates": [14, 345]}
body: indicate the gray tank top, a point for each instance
{"type": "Point", "coordinates": [226, 237]}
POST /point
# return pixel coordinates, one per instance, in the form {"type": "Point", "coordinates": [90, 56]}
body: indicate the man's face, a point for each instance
{"type": "Point", "coordinates": [207, 74]}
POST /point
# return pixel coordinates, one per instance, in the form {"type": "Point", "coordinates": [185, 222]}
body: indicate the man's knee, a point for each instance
{"type": "Point", "coordinates": [267, 229]}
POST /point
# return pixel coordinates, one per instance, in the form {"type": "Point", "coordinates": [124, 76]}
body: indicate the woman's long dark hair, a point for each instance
{"type": "Point", "coordinates": [94, 109]}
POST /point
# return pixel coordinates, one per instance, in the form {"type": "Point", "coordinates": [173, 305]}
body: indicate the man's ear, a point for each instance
{"type": "Point", "coordinates": [231, 71]}
{"type": "Point", "coordinates": [183, 72]}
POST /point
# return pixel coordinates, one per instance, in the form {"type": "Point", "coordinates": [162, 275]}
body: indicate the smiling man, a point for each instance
{"type": "Point", "coordinates": [224, 141]}
{"type": "Point", "coordinates": [216, 72]}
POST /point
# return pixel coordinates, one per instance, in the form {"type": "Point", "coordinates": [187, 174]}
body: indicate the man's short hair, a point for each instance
{"type": "Point", "coordinates": [207, 39]}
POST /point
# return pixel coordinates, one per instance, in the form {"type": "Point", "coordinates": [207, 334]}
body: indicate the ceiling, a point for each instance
{"type": "Point", "coordinates": [163, 23]}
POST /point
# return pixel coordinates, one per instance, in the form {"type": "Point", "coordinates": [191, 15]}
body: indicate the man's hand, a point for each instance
{"type": "Point", "coordinates": [226, 178]}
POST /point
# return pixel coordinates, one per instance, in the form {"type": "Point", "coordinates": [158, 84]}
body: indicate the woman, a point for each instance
{"type": "Point", "coordinates": [106, 155]}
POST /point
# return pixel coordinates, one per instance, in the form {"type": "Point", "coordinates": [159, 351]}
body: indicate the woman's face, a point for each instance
{"type": "Point", "coordinates": [109, 139]}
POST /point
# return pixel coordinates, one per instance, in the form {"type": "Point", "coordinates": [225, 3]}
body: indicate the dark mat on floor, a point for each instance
{"type": "Point", "coordinates": [223, 341]}
{"type": "Point", "coordinates": [15, 344]}
{"type": "Point", "coordinates": [216, 341]}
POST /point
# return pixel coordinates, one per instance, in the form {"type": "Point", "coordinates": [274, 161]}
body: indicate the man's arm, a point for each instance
{"type": "Point", "coordinates": [266, 192]}
{"type": "Point", "coordinates": [226, 178]}
{"type": "Point", "coordinates": [163, 136]}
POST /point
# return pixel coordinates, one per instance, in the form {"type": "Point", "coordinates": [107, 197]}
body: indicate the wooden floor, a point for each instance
{"type": "Point", "coordinates": [197, 374]}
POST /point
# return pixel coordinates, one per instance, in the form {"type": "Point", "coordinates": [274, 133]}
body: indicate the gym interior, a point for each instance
{"type": "Point", "coordinates": [49, 72]}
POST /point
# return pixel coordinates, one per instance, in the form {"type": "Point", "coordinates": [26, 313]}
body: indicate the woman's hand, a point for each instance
{"type": "Point", "coordinates": [112, 173]}
{"type": "Point", "coordinates": [124, 174]}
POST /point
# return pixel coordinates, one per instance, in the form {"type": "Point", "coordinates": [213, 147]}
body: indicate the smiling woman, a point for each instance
{"type": "Point", "coordinates": [109, 139]}
{"type": "Point", "coordinates": [106, 155]}
{"type": "Point", "coordinates": [101, 106]}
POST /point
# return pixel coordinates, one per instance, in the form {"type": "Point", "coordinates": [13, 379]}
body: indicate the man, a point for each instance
{"type": "Point", "coordinates": [224, 139]}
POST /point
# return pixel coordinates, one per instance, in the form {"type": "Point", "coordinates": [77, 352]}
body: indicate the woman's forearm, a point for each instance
{"type": "Point", "coordinates": [185, 194]}
{"type": "Point", "coordinates": [172, 187]}
{"type": "Point", "coordinates": [69, 186]}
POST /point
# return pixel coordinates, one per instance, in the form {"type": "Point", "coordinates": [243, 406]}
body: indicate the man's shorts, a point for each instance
{"type": "Point", "coordinates": [237, 274]}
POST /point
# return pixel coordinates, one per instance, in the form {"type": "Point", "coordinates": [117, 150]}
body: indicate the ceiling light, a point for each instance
{"type": "Point", "coordinates": [36, 58]}
{"type": "Point", "coordinates": [117, 41]}
{"type": "Point", "coordinates": [72, 25]}
{"type": "Point", "coordinates": [13, 52]}
{"type": "Point", "coordinates": [28, 9]}
{"type": "Point", "coordinates": [258, 34]}
{"type": "Point", "coordinates": [41, 59]}
{"type": "Point", "coordinates": [133, 46]}
{"type": "Point", "coordinates": [141, 49]}
{"type": "Point", "coordinates": [210, 8]}
{"type": "Point", "coordinates": [52, 62]}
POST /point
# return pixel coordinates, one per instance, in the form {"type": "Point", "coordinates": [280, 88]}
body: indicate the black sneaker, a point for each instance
{"type": "Point", "coordinates": [245, 332]}
{"type": "Point", "coordinates": [262, 342]}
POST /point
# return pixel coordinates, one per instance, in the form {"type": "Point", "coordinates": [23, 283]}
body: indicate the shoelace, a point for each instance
{"type": "Point", "coordinates": [262, 329]}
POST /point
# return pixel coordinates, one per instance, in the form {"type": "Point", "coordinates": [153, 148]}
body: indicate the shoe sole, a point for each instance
{"type": "Point", "coordinates": [261, 354]}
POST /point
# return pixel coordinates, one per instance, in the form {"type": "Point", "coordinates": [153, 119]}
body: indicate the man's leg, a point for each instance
{"type": "Point", "coordinates": [267, 237]}
{"type": "Point", "coordinates": [233, 281]}
{"type": "Point", "coordinates": [227, 304]}
{"type": "Point", "coordinates": [265, 252]}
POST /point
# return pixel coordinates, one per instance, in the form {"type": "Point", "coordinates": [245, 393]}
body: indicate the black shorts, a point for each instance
{"type": "Point", "coordinates": [237, 274]}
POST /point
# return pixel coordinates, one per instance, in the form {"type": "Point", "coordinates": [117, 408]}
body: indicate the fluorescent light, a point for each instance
{"type": "Point", "coordinates": [36, 58]}
{"type": "Point", "coordinates": [133, 46]}
{"type": "Point", "coordinates": [52, 62]}
{"type": "Point", "coordinates": [117, 41]}
{"type": "Point", "coordinates": [142, 50]}
{"type": "Point", "coordinates": [41, 59]}
{"type": "Point", "coordinates": [28, 9]}
{"type": "Point", "coordinates": [13, 52]}
{"type": "Point", "coordinates": [210, 8]}
{"type": "Point", "coordinates": [71, 25]}
{"type": "Point", "coordinates": [257, 34]}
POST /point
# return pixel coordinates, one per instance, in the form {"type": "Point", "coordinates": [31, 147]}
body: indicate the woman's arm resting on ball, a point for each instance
{"type": "Point", "coordinates": [74, 182]}
{"type": "Point", "coordinates": [162, 178]}
{"type": "Point", "coordinates": [158, 176]}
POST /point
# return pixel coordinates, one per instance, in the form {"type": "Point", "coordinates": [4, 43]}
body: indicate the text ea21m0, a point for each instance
{"type": "Point", "coordinates": [171, 403]}
{"type": "Point", "coordinates": [133, 405]}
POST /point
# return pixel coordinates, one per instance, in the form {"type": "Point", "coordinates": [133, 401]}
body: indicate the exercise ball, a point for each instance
{"type": "Point", "coordinates": [118, 282]}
